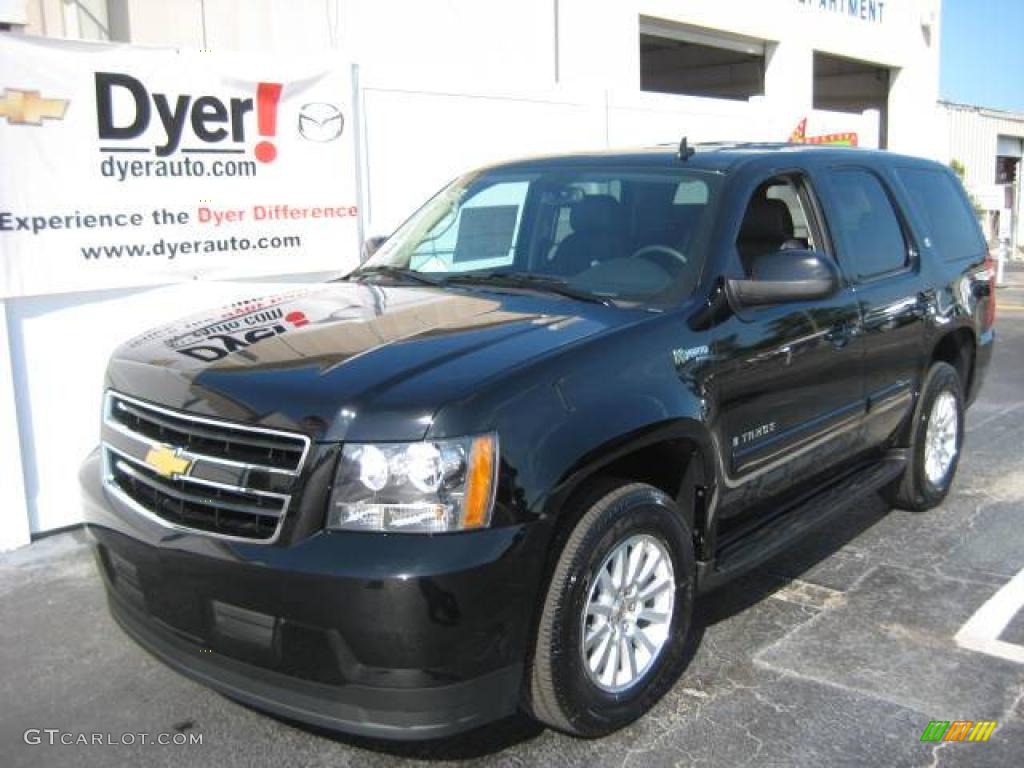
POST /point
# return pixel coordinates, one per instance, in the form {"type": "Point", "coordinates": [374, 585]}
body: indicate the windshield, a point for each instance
{"type": "Point", "coordinates": [624, 235]}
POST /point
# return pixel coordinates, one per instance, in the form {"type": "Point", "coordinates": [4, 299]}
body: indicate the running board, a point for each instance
{"type": "Point", "coordinates": [762, 543]}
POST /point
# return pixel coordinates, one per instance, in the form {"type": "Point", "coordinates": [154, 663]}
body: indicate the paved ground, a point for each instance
{"type": "Point", "coordinates": [839, 653]}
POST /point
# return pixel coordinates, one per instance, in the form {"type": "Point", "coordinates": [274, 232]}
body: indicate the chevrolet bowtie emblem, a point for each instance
{"type": "Point", "coordinates": [29, 108]}
{"type": "Point", "coordinates": [166, 462]}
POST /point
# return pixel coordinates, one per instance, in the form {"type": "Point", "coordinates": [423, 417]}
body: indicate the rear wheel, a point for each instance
{"type": "Point", "coordinates": [617, 614]}
{"type": "Point", "coordinates": [936, 438]}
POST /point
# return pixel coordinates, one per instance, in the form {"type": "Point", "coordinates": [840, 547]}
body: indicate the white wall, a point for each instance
{"type": "Point", "coordinates": [14, 526]}
{"type": "Point", "coordinates": [418, 141]}
{"type": "Point", "coordinates": [637, 118]}
{"type": "Point", "coordinates": [598, 43]}
{"type": "Point", "coordinates": [463, 41]}
{"type": "Point", "coordinates": [13, 12]}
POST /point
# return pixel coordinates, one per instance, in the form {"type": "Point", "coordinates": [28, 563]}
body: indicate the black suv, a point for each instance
{"type": "Point", "coordinates": [493, 467]}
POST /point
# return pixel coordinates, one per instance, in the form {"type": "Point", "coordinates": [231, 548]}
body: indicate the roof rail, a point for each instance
{"type": "Point", "coordinates": [746, 144]}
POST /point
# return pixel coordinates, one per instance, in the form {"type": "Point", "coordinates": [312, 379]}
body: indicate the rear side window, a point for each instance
{"type": "Point", "coordinates": [949, 221]}
{"type": "Point", "coordinates": [866, 224]}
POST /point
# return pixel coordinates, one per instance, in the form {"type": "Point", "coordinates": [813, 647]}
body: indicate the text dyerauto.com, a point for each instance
{"type": "Point", "coordinates": [186, 167]}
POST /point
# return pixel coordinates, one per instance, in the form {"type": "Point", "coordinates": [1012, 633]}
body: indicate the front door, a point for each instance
{"type": "Point", "coordinates": [790, 376]}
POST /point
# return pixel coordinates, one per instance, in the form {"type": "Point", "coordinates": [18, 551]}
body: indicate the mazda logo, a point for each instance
{"type": "Point", "coordinates": [320, 122]}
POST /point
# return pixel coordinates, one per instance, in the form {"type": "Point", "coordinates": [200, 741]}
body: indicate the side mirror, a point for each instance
{"type": "Point", "coordinates": [370, 247]}
{"type": "Point", "coordinates": [784, 276]}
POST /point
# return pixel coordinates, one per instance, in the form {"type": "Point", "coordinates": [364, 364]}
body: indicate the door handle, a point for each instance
{"type": "Point", "coordinates": [841, 334]}
{"type": "Point", "coordinates": [925, 304]}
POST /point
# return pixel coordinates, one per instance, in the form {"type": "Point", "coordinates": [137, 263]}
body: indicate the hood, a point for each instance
{"type": "Point", "coordinates": [348, 361]}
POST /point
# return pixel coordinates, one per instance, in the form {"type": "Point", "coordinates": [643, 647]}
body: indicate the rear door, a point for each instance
{"type": "Point", "coordinates": [876, 247]}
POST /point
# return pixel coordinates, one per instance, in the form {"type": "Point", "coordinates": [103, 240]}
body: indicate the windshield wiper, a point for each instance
{"type": "Point", "coordinates": [386, 270]}
{"type": "Point", "coordinates": [544, 283]}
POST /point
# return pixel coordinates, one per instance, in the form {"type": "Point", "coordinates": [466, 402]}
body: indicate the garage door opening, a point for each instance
{"type": "Point", "coordinates": [696, 62]}
{"type": "Point", "coordinates": [848, 85]}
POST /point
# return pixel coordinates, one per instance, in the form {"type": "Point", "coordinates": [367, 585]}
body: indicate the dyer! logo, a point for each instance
{"type": "Point", "coordinates": [234, 335]}
{"type": "Point", "coordinates": [215, 125]}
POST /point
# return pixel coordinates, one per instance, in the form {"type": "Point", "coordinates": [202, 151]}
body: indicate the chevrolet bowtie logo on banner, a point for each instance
{"type": "Point", "coordinates": [30, 108]}
{"type": "Point", "coordinates": [166, 462]}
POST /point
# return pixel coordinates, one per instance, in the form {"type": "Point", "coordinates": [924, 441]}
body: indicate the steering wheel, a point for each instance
{"type": "Point", "coordinates": [652, 252]}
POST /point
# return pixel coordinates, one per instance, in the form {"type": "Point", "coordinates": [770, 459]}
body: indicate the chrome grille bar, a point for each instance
{"type": "Point", "coordinates": [175, 428]}
{"type": "Point", "coordinates": [133, 470]}
{"type": "Point", "coordinates": [206, 487]}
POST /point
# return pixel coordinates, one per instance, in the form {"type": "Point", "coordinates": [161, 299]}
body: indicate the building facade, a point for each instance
{"type": "Point", "coordinates": [795, 55]}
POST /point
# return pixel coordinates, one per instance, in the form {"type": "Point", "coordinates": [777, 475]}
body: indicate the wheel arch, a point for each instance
{"type": "Point", "coordinates": [958, 347]}
{"type": "Point", "coordinates": [674, 456]}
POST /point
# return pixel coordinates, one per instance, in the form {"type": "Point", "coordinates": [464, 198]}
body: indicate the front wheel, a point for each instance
{"type": "Point", "coordinates": [617, 615]}
{"type": "Point", "coordinates": [936, 437]}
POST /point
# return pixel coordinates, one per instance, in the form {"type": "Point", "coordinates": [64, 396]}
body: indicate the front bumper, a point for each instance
{"type": "Point", "coordinates": [397, 637]}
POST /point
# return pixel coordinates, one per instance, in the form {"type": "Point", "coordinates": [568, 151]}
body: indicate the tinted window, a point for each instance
{"type": "Point", "coordinates": [948, 220]}
{"type": "Point", "coordinates": [866, 224]}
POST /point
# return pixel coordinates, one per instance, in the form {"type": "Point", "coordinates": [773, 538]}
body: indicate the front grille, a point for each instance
{"type": "Point", "coordinates": [214, 477]}
{"type": "Point", "coordinates": [212, 439]}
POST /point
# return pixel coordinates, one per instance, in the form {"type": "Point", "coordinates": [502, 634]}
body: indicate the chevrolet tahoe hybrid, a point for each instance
{"type": "Point", "coordinates": [493, 467]}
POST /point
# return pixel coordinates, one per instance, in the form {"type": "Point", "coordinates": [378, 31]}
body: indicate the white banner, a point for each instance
{"type": "Point", "coordinates": [126, 166]}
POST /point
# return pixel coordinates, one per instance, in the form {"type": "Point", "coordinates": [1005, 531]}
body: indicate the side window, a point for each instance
{"type": "Point", "coordinates": [481, 235]}
{"type": "Point", "coordinates": [776, 219]}
{"type": "Point", "coordinates": [947, 217]}
{"type": "Point", "coordinates": [866, 224]}
{"type": "Point", "coordinates": [789, 194]}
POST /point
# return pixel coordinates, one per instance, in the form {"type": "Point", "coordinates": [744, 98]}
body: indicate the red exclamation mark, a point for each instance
{"type": "Point", "coordinates": [267, 95]}
{"type": "Point", "coordinates": [298, 319]}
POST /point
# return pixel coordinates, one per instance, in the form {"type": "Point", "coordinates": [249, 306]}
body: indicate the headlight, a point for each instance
{"type": "Point", "coordinates": [426, 487]}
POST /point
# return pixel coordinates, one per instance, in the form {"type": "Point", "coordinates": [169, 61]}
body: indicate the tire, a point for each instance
{"type": "Point", "coordinates": [561, 691]}
{"type": "Point", "coordinates": [918, 489]}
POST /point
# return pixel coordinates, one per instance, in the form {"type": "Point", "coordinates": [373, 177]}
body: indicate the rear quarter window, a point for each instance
{"type": "Point", "coordinates": [942, 207]}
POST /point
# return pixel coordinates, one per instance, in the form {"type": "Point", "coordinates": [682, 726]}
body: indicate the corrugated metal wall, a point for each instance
{"type": "Point", "coordinates": [972, 135]}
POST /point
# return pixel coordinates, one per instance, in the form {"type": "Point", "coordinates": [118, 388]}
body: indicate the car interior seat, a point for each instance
{"type": "Point", "coordinates": [599, 233]}
{"type": "Point", "coordinates": [767, 227]}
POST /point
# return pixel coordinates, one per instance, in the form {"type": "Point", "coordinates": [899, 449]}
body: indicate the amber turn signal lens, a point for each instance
{"type": "Point", "coordinates": [480, 480]}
